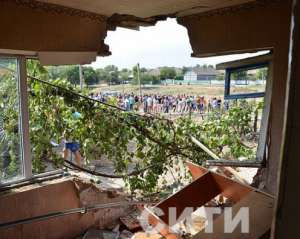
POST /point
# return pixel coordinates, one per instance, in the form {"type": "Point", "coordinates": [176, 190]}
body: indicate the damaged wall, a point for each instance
{"type": "Point", "coordinates": [54, 196]}
{"type": "Point", "coordinates": [264, 26]}
{"type": "Point", "coordinates": [27, 27]}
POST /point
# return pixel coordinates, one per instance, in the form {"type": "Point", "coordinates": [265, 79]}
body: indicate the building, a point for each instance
{"type": "Point", "coordinates": [73, 32]}
{"type": "Point", "coordinates": [200, 75]}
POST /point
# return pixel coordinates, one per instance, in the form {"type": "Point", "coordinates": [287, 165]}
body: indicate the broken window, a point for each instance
{"type": "Point", "coordinates": [249, 79]}
{"type": "Point", "coordinates": [246, 82]}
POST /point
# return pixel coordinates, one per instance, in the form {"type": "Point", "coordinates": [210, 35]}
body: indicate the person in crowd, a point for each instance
{"type": "Point", "coordinates": [149, 104]}
{"type": "Point", "coordinates": [131, 102]}
{"type": "Point", "coordinates": [145, 103]}
{"type": "Point", "coordinates": [72, 145]}
{"type": "Point", "coordinates": [202, 104]}
{"type": "Point", "coordinates": [126, 104]}
{"type": "Point", "coordinates": [157, 103]}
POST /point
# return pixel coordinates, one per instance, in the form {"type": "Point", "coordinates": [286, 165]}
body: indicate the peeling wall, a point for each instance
{"type": "Point", "coordinates": [54, 196]}
{"type": "Point", "coordinates": [248, 29]}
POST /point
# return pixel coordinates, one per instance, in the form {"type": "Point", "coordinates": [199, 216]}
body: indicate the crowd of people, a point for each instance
{"type": "Point", "coordinates": [155, 103]}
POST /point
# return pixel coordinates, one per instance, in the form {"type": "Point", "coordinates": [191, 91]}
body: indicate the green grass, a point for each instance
{"type": "Point", "coordinates": [203, 90]}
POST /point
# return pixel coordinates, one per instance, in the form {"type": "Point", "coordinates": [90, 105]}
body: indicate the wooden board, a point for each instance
{"type": "Point", "coordinates": [194, 195]}
{"type": "Point", "coordinates": [260, 219]}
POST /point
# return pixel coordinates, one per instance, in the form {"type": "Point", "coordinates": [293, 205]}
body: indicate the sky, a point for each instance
{"type": "Point", "coordinates": [165, 44]}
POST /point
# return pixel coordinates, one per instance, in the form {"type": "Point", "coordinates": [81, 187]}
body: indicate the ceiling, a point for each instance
{"type": "Point", "coordinates": [147, 8]}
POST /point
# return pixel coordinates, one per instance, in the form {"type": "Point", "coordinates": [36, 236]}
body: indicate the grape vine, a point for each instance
{"type": "Point", "coordinates": [149, 142]}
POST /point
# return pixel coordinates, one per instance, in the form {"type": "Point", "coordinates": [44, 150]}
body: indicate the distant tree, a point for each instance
{"type": "Point", "coordinates": [179, 77]}
{"type": "Point", "coordinates": [239, 75]}
{"type": "Point", "coordinates": [262, 74]}
{"type": "Point", "coordinates": [155, 80]}
{"type": "Point", "coordinates": [184, 69]}
{"type": "Point", "coordinates": [57, 72]}
{"type": "Point", "coordinates": [113, 74]}
{"type": "Point", "coordinates": [220, 76]}
{"type": "Point", "coordinates": [145, 77]}
{"type": "Point", "coordinates": [167, 73]}
{"type": "Point", "coordinates": [143, 70]}
{"type": "Point", "coordinates": [110, 68]}
{"type": "Point", "coordinates": [90, 76]}
{"type": "Point", "coordinates": [72, 75]}
{"type": "Point", "coordinates": [124, 75]}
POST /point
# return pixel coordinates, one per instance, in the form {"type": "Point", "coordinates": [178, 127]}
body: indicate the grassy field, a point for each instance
{"type": "Point", "coordinates": [203, 90]}
{"type": "Point", "coordinates": [167, 89]}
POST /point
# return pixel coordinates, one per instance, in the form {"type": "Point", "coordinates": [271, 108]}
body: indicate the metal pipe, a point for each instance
{"type": "Point", "coordinates": [226, 163]}
{"type": "Point", "coordinates": [52, 215]}
{"type": "Point", "coordinates": [235, 163]}
{"type": "Point", "coordinates": [35, 179]}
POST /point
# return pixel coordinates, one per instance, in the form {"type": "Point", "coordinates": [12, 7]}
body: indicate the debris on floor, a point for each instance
{"type": "Point", "coordinates": [131, 220]}
{"type": "Point", "coordinates": [125, 234]}
{"type": "Point", "coordinates": [100, 234]}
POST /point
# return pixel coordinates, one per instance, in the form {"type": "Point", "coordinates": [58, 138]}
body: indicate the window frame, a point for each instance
{"type": "Point", "coordinates": [228, 74]}
{"type": "Point", "coordinates": [25, 145]}
{"type": "Point", "coordinates": [263, 141]}
{"type": "Point", "coordinates": [23, 115]}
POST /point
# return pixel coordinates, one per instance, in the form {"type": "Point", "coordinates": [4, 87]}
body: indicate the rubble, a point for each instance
{"type": "Point", "coordinates": [100, 234]}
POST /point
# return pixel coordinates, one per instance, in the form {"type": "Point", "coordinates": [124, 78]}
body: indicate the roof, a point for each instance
{"type": "Point", "coordinates": [146, 8]}
{"type": "Point", "coordinates": [204, 71]}
{"type": "Point", "coordinates": [247, 61]}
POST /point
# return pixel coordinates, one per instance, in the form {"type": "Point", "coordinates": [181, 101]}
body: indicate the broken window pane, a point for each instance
{"type": "Point", "coordinates": [247, 81]}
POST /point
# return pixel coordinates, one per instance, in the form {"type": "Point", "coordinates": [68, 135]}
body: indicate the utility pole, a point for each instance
{"type": "Point", "coordinates": [139, 78]}
{"type": "Point", "coordinates": [80, 77]}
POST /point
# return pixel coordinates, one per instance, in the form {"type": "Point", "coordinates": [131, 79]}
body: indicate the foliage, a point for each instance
{"type": "Point", "coordinates": [124, 75]}
{"type": "Point", "coordinates": [179, 77]}
{"type": "Point", "coordinates": [262, 74]}
{"type": "Point", "coordinates": [102, 130]}
{"type": "Point", "coordinates": [113, 74]}
{"type": "Point", "coordinates": [239, 75]}
{"type": "Point", "coordinates": [72, 75]}
{"type": "Point", "coordinates": [184, 69]}
{"type": "Point", "coordinates": [145, 77]}
{"type": "Point", "coordinates": [167, 73]}
{"type": "Point", "coordinates": [10, 163]}
{"type": "Point", "coordinates": [90, 76]}
{"type": "Point", "coordinates": [127, 138]}
{"type": "Point", "coordinates": [226, 133]}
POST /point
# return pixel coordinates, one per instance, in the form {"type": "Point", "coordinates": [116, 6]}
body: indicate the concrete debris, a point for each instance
{"type": "Point", "coordinates": [126, 234]}
{"type": "Point", "coordinates": [100, 234]}
{"type": "Point", "coordinates": [131, 219]}
{"type": "Point", "coordinates": [144, 235]}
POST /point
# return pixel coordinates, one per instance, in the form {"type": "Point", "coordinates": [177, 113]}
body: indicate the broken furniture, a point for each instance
{"type": "Point", "coordinates": [206, 186]}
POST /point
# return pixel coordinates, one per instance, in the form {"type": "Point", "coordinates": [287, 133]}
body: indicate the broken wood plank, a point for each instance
{"type": "Point", "coordinates": [235, 163]}
{"type": "Point", "coordinates": [194, 195]}
{"type": "Point", "coordinates": [216, 157]}
{"type": "Point", "coordinates": [161, 226]}
{"type": "Point", "coordinates": [260, 218]}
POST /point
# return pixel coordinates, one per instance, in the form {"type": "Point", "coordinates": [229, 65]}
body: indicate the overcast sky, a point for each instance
{"type": "Point", "coordinates": [165, 44]}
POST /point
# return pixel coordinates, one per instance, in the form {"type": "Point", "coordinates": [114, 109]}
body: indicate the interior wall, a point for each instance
{"type": "Point", "coordinates": [55, 196]}
{"type": "Point", "coordinates": [287, 215]}
{"type": "Point", "coordinates": [32, 29]}
{"type": "Point", "coordinates": [242, 30]}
